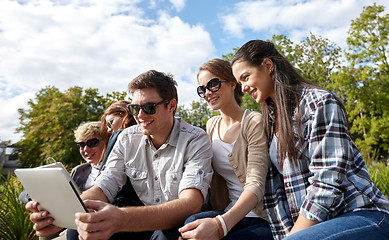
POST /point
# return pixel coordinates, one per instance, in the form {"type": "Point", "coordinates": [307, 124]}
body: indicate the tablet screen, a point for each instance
{"type": "Point", "coordinates": [55, 192]}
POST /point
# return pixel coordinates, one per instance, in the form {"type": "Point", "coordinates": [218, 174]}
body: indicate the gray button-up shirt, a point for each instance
{"type": "Point", "coordinates": [159, 175]}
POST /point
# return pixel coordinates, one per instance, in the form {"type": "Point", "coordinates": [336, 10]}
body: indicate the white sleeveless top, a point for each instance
{"type": "Point", "coordinates": [222, 165]}
{"type": "Point", "coordinates": [273, 153]}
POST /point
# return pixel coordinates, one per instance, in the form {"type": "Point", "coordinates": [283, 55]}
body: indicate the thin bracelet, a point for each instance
{"type": "Point", "coordinates": [219, 227]}
{"type": "Point", "coordinates": [223, 224]}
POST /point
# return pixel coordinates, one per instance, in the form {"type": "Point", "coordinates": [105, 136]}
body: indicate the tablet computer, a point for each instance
{"type": "Point", "coordinates": [55, 191]}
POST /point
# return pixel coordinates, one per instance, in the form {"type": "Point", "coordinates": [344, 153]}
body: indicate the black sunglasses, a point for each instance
{"type": "Point", "coordinates": [213, 85]}
{"type": "Point", "coordinates": [90, 143]}
{"type": "Point", "coordinates": [109, 125]}
{"type": "Point", "coordinates": [148, 108]}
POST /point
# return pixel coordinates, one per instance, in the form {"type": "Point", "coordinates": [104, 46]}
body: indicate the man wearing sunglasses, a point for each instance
{"type": "Point", "coordinates": [167, 160]}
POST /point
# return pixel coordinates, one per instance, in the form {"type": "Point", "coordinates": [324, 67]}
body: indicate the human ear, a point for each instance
{"type": "Point", "coordinates": [233, 84]}
{"type": "Point", "coordinates": [172, 105]}
{"type": "Point", "coordinates": [269, 65]}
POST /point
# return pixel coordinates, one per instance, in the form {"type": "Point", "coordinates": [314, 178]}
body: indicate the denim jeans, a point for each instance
{"type": "Point", "coordinates": [127, 197]}
{"type": "Point", "coordinates": [359, 225]}
{"type": "Point", "coordinates": [152, 235]}
{"type": "Point", "coordinates": [247, 228]}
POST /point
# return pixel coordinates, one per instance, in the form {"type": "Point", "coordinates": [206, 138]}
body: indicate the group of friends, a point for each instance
{"type": "Point", "coordinates": [289, 172]}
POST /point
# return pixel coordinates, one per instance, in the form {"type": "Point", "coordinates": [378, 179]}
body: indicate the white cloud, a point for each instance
{"type": "Point", "coordinates": [104, 44]}
{"type": "Point", "coordinates": [178, 4]}
{"type": "Point", "coordinates": [98, 44]}
{"type": "Point", "coordinates": [10, 116]}
{"type": "Point", "coordinates": [329, 18]}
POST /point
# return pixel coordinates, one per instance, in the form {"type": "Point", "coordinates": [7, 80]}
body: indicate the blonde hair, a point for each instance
{"type": "Point", "coordinates": [87, 130]}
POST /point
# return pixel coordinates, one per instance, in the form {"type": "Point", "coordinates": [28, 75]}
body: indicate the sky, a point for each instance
{"type": "Point", "coordinates": [104, 44]}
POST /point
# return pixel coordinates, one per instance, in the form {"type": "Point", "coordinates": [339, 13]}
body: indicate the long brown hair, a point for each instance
{"type": "Point", "coordinates": [288, 87]}
{"type": "Point", "coordinates": [120, 109]}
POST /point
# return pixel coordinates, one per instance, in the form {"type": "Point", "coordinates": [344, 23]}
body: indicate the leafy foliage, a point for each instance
{"type": "Point", "coordinates": [361, 80]}
{"type": "Point", "coordinates": [285, 47]}
{"type": "Point", "coordinates": [366, 82]}
{"type": "Point", "coordinates": [379, 174]}
{"type": "Point", "coordinates": [14, 218]}
{"type": "Point", "coordinates": [48, 124]}
{"type": "Point", "coordinates": [315, 58]}
{"type": "Point", "coordinates": [250, 103]}
{"type": "Point", "coordinates": [319, 58]}
{"type": "Point", "coordinates": [198, 113]}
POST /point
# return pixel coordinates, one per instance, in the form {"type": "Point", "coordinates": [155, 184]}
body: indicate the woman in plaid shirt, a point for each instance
{"type": "Point", "coordinates": [318, 186]}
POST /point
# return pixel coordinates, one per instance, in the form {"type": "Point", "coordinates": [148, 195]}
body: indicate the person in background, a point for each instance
{"type": "Point", "coordinates": [240, 162]}
{"type": "Point", "coordinates": [116, 116]}
{"type": "Point", "coordinates": [318, 186]}
{"type": "Point", "coordinates": [92, 146]}
{"type": "Point", "coordinates": [92, 140]}
{"type": "Point", "coordinates": [114, 119]}
{"type": "Point", "coordinates": [167, 160]}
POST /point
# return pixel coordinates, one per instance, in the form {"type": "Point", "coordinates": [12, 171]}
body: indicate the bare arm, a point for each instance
{"type": "Point", "coordinates": [246, 202]}
{"type": "Point", "coordinates": [302, 223]}
{"type": "Point", "coordinates": [257, 167]}
{"type": "Point", "coordinates": [108, 219]}
{"type": "Point", "coordinates": [208, 229]}
{"type": "Point", "coordinates": [165, 216]}
{"type": "Point", "coordinates": [94, 193]}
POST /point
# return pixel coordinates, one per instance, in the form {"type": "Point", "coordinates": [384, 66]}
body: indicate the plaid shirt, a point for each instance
{"type": "Point", "coordinates": [331, 180]}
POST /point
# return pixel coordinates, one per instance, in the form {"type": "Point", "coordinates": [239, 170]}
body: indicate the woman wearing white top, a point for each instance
{"type": "Point", "coordinates": [240, 162]}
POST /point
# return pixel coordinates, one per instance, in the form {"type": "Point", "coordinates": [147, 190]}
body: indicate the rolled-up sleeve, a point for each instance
{"type": "Point", "coordinates": [197, 166]}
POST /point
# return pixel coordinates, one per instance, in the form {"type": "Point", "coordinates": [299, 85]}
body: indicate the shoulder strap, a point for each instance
{"type": "Point", "coordinates": [111, 143]}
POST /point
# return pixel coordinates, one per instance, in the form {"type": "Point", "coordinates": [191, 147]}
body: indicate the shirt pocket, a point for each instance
{"type": "Point", "coordinates": [138, 179]}
{"type": "Point", "coordinates": [172, 184]}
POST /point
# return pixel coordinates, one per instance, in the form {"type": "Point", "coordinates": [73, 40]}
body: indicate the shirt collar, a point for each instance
{"type": "Point", "coordinates": [172, 139]}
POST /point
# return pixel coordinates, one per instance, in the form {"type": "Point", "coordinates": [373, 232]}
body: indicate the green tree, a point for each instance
{"type": "Point", "coordinates": [366, 82]}
{"type": "Point", "coordinates": [285, 47]}
{"type": "Point", "coordinates": [250, 103]}
{"type": "Point", "coordinates": [48, 124]}
{"type": "Point", "coordinates": [198, 113]}
{"type": "Point", "coordinates": [317, 59]}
